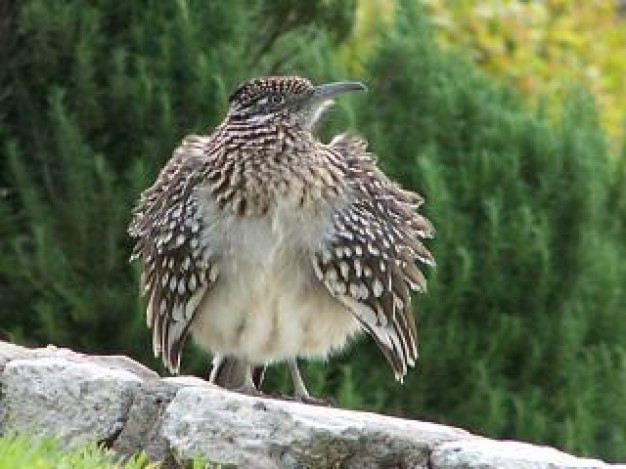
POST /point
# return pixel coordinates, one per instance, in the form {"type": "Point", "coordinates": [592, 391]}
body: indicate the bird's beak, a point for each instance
{"type": "Point", "coordinates": [330, 90]}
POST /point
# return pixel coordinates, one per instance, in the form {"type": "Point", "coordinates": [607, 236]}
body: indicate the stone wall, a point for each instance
{"type": "Point", "coordinates": [116, 401]}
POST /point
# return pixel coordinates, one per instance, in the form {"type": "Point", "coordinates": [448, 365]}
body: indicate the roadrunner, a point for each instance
{"type": "Point", "coordinates": [268, 245]}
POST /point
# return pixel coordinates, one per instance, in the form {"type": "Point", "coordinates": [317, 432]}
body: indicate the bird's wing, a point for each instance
{"type": "Point", "coordinates": [177, 265]}
{"type": "Point", "coordinates": [367, 260]}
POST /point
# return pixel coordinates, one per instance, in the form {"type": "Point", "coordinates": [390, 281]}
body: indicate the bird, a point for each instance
{"type": "Point", "coordinates": [268, 246]}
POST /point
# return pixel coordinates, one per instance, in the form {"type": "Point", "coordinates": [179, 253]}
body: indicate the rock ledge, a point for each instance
{"type": "Point", "coordinates": [117, 401]}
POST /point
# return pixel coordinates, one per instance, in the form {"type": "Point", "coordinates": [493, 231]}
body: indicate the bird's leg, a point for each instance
{"type": "Point", "coordinates": [300, 391]}
{"type": "Point", "coordinates": [234, 374]}
{"type": "Point", "coordinates": [258, 375]}
{"type": "Point", "coordinates": [248, 386]}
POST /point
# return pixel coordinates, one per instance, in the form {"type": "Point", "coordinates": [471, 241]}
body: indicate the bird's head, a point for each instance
{"type": "Point", "coordinates": [285, 98]}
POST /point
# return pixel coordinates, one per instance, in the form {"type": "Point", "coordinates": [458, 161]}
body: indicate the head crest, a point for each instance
{"type": "Point", "coordinates": [278, 84]}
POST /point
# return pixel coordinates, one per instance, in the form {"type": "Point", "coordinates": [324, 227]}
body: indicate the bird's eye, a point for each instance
{"type": "Point", "coordinates": [276, 99]}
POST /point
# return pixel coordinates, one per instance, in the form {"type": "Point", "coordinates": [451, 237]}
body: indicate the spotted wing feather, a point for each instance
{"type": "Point", "coordinates": [177, 266]}
{"type": "Point", "coordinates": [368, 259]}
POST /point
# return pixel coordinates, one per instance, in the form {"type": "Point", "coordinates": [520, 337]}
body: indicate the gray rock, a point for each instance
{"type": "Point", "coordinates": [114, 362]}
{"type": "Point", "coordinates": [78, 402]}
{"type": "Point", "coordinates": [482, 453]}
{"type": "Point", "coordinates": [80, 398]}
{"type": "Point", "coordinates": [142, 429]}
{"type": "Point", "coordinates": [224, 427]}
{"type": "Point", "coordinates": [10, 352]}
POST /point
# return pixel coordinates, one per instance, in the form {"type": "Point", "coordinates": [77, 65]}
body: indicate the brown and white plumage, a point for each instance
{"type": "Point", "coordinates": [367, 260]}
{"type": "Point", "coordinates": [269, 245]}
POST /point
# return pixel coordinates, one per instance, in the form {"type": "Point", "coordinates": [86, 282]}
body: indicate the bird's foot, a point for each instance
{"type": "Point", "coordinates": [300, 392]}
{"type": "Point", "coordinates": [248, 391]}
{"type": "Point", "coordinates": [306, 399]}
{"type": "Point", "coordinates": [316, 401]}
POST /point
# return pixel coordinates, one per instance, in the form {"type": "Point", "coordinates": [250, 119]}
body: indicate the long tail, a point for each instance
{"type": "Point", "coordinates": [230, 372]}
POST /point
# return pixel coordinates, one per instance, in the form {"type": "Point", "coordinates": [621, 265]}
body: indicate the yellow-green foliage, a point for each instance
{"type": "Point", "coordinates": [371, 16]}
{"type": "Point", "coordinates": [27, 452]}
{"type": "Point", "coordinates": [544, 46]}
{"type": "Point", "coordinates": [17, 452]}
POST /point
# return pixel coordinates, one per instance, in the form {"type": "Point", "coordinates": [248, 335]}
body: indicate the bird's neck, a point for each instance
{"type": "Point", "coordinates": [266, 164]}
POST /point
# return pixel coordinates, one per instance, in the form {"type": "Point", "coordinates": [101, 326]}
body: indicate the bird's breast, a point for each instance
{"type": "Point", "coordinates": [267, 303]}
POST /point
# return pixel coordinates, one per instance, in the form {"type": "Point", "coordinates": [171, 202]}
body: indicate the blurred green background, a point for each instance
{"type": "Point", "coordinates": [523, 330]}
